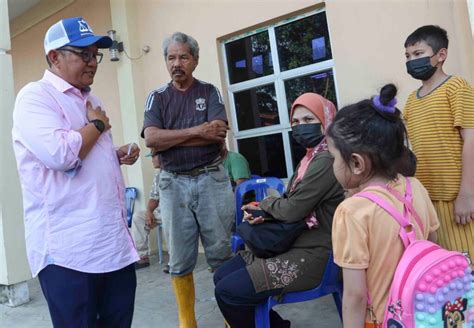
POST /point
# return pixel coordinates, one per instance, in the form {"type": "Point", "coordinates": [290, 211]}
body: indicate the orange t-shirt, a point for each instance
{"type": "Point", "coordinates": [366, 237]}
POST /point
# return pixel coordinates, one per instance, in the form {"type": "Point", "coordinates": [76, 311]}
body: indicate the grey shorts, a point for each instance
{"type": "Point", "coordinates": [193, 207]}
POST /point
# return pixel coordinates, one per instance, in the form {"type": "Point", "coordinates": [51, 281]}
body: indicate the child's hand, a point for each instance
{"type": "Point", "coordinates": [464, 208]}
{"type": "Point", "coordinates": [150, 220]}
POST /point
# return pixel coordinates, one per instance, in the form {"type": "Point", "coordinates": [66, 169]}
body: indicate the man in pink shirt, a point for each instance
{"type": "Point", "coordinates": [76, 233]}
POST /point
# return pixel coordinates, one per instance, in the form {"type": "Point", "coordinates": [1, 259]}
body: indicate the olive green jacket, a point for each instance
{"type": "Point", "coordinates": [303, 265]}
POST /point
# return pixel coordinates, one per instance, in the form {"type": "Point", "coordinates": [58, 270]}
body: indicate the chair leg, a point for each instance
{"type": "Point", "coordinates": [338, 300]}
{"type": "Point", "coordinates": [262, 315]}
{"type": "Point", "coordinates": [236, 244]}
{"type": "Point", "coordinates": [159, 242]}
{"type": "Point", "coordinates": [240, 246]}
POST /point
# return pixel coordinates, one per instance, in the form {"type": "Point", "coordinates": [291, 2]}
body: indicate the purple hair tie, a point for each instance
{"type": "Point", "coordinates": [389, 108]}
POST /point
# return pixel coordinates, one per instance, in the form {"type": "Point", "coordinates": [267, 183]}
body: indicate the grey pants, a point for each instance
{"type": "Point", "coordinates": [141, 233]}
{"type": "Point", "coordinates": [193, 207]}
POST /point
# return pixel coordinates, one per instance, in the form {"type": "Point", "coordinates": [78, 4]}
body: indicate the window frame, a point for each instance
{"type": "Point", "coordinates": [278, 79]}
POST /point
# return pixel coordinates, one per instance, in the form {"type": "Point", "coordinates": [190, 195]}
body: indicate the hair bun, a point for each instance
{"type": "Point", "coordinates": [386, 101]}
{"type": "Point", "coordinates": [388, 93]}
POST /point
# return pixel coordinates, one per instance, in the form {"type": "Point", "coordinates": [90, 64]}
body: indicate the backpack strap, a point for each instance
{"type": "Point", "coordinates": [407, 232]}
{"type": "Point", "coordinates": [407, 201]}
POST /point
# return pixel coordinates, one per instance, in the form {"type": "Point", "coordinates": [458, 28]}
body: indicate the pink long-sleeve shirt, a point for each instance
{"type": "Point", "coordinates": [74, 210]}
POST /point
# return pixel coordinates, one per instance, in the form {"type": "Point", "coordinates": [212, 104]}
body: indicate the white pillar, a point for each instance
{"type": "Point", "coordinates": [14, 270]}
{"type": "Point", "coordinates": [131, 107]}
{"type": "Point", "coordinates": [124, 21]}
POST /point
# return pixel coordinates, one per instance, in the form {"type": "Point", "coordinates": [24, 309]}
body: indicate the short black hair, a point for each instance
{"type": "Point", "coordinates": [363, 128]}
{"type": "Point", "coordinates": [435, 36]}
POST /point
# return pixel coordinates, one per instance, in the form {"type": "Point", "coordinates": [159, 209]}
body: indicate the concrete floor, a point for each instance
{"type": "Point", "coordinates": [155, 305]}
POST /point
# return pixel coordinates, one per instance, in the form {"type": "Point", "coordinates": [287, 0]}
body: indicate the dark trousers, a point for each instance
{"type": "Point", "coordinates": [78, 299]}
{"type": "Point", "coordinates": [237, 298]}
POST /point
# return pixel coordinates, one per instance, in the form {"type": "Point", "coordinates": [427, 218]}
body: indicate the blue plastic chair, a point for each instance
{"type": "Point", "coordinates": [130, 196]}
{"type": "Point", "coordinates": [260, 186]}
{"type": "Point", "coordinates": [330, 284]}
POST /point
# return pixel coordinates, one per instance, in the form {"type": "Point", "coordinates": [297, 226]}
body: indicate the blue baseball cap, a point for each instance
{"type": "Point", "coordinates": [74, 31]}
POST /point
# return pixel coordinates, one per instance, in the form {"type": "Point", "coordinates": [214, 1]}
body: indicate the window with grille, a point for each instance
{"type": "Point", "coordinates": [266, 70]}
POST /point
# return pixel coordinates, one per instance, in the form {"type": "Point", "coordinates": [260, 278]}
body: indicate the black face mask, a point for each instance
{"type": "Point", "coordinates": [308, 135]}
{"type": "Point", "coordinates": [421, 68]}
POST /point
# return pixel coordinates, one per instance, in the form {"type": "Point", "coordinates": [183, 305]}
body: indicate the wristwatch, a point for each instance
{"type": "Point", "coordinates": [99, 125]}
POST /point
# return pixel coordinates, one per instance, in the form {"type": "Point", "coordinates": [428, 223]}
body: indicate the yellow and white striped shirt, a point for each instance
{"type": "Point", "coordinates": [434, 122]}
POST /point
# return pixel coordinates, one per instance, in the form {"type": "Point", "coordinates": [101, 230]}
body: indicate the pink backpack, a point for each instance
{"type": "Point", "coordinates": [432, 287]}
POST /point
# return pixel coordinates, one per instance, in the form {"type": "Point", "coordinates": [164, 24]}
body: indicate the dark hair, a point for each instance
{"type": "Point", "coordinates": [48, 61]}
{"type": "Point", "coordinates": [406, 164]}
{"type": "Point", "coordinates": [435, 36]}
{"type": "Point", "coordinates": [363, 128]}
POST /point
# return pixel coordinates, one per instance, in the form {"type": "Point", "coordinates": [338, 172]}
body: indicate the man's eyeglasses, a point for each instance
{"type": "Point", "coordinates": [86, 55]}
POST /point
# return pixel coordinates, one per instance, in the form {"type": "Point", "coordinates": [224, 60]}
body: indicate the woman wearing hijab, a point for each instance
{"type": "Point", "coordinates": [312, 195]}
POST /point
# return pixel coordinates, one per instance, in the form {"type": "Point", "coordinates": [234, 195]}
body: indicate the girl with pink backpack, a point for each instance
{"type": "Point", "coordinates": [374, 229]}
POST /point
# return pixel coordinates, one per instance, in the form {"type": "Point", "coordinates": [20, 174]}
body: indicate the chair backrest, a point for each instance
{"type": "Point", "coordinates": [130, 196]}
{"type": "Point", "coordinates": [260, 186]}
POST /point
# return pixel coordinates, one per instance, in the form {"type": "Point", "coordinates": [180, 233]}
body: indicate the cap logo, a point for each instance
{"type": "Point", "coordinates": [84, 27]}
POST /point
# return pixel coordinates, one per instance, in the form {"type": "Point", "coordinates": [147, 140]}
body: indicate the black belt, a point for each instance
{"type": "Point", "coordinates": [200, 170]}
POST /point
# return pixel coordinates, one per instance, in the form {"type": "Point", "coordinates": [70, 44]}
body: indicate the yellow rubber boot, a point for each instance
{"type": "Point", "coordinates": [185, 297]}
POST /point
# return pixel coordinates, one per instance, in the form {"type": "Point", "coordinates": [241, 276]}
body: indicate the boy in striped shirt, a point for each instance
{"type": "Point", "coordinates": [440, 122]}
